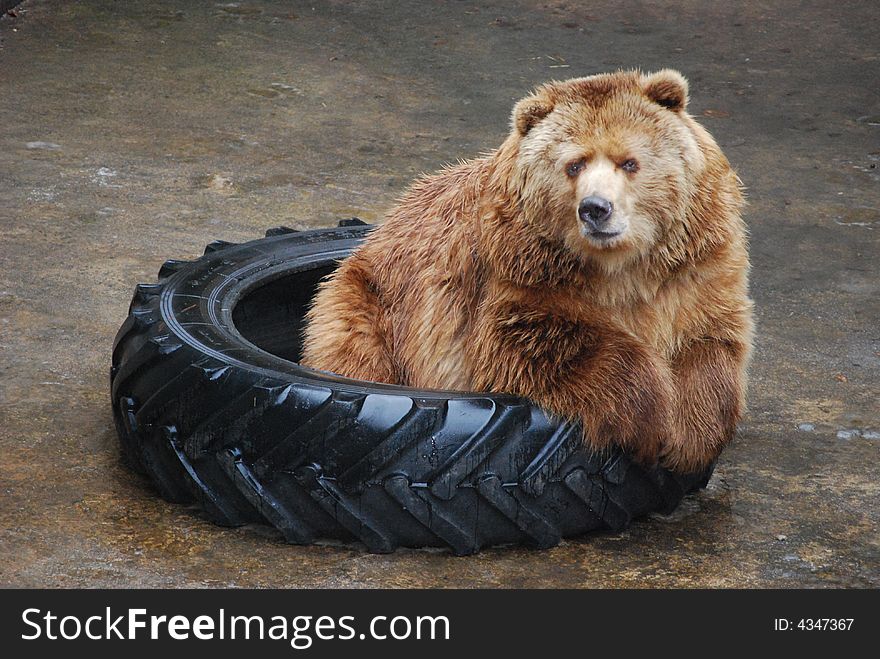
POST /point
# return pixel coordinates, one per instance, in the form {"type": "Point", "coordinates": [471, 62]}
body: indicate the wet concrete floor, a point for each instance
{"type": "Point", "coordinates": [136, 132]}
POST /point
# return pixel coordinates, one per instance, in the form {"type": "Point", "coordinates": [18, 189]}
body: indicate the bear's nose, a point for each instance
{"type": "Point", "coordinates": [595, 211]}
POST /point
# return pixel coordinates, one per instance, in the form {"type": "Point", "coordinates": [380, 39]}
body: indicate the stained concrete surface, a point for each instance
{"type": "Point", "coordinates": [136, 132]}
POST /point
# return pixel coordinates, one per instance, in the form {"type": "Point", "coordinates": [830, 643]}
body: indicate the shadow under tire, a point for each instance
{"type": "Point", "coordinates": [210, 404]}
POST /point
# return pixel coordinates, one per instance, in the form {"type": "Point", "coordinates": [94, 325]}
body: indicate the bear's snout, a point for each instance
{"type": "Point", "coordinates": [595, 212]}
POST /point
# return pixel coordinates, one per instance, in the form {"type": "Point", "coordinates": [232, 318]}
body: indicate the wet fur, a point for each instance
{"type": "Point", "coordinates": [478, 279]}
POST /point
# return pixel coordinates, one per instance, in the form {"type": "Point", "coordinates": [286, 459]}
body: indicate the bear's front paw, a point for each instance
{"type": "Point", "coordinates": [638, 419]}
{"type": "Point", "coordinates": [646, 412]}
{"type": "Point", "coordinates": [685, 452]}
{"type": "Point", "coordinates": [651, 424]}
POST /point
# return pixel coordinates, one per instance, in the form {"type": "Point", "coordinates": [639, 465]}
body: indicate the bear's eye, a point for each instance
{"type": "Point", "coordinates": [574, 168]}
{"type": "Point", "coordinates": [630, 165]}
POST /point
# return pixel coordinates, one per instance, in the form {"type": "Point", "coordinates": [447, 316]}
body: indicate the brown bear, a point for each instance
{"type": "Point", "coordinates": [595, 263]}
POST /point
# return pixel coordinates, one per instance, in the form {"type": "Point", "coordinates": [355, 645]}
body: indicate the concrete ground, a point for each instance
{"type": "Point", "coordinates": [136, 132]}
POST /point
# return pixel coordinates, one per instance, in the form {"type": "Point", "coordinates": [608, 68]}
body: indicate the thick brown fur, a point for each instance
{"type": "Point", "coordinates": [484, 278]}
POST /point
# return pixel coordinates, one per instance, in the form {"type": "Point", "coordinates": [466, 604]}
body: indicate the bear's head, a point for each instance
{"type": "Point", "coordinates": [610, 165]}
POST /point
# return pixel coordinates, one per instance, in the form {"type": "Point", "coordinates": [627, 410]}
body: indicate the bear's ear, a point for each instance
{"type": "Point", "coordinates": [667, 88]}
{"type": "Point", "coordinates": [529, 111]}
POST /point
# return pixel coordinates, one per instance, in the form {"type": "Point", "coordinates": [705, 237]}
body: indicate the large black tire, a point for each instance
{"type": "Point", "coordinates": [210, 403]}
